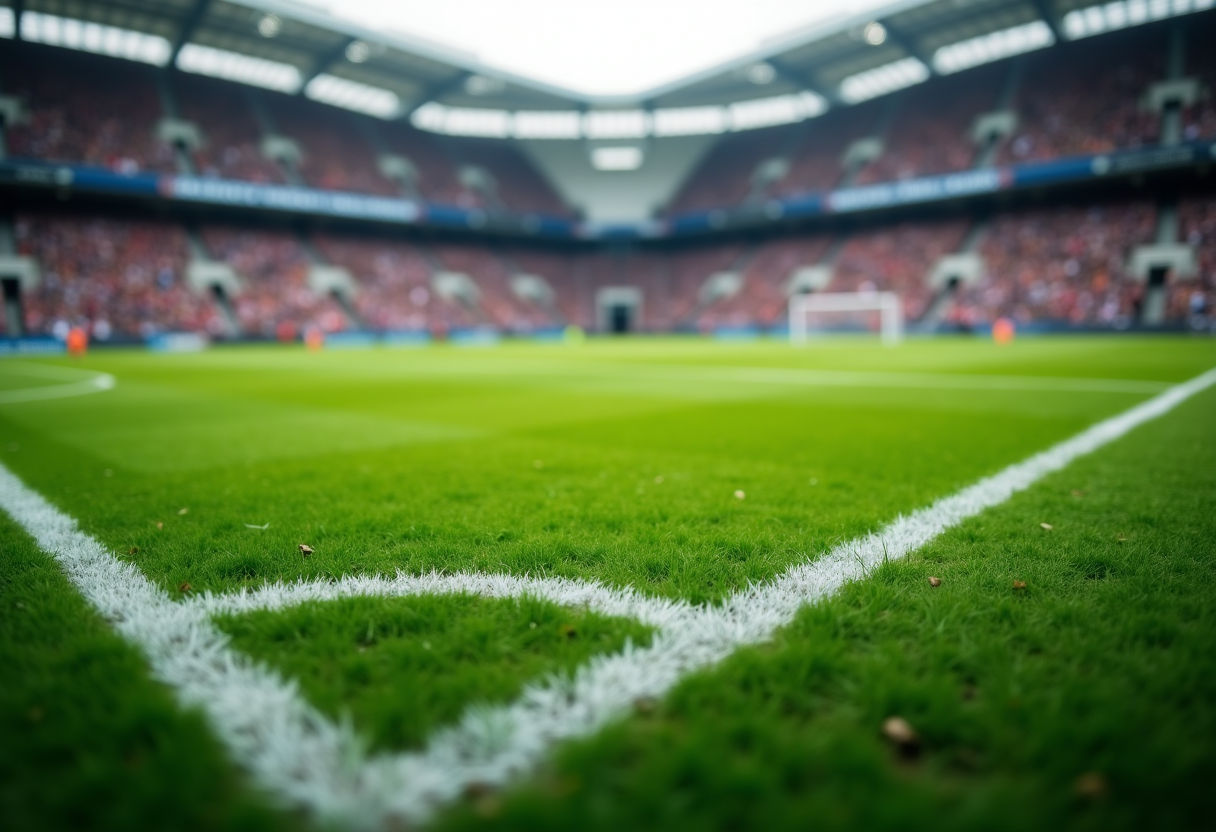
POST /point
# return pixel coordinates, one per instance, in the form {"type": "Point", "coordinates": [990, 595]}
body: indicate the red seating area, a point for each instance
{"type": "Point", "coordinates": [1197, 223]}
{"type": "Point", "coordinates": [118, 278]}
{"type": "Point", "coordinates": [896, 259]}
{"type": "Point", "coordinates": [688, 270]}
{"type": "Point", "coordinates": [492, 277]}
{"type": "Point", "coordinates": [1060, 264]}
{"type": "Point", "coordinates": [337, 155]}
{"type": "Point", "coordinates": [273, 268]}
{"type": "Point", "coordinates": [232, 137]}
{"type": "Point", "coordinates": [394, 280]}
{"type": "Point", "coordinates": [816, 165]}
{"type": "Point", "coordinates": [1199, 119]}
{"type": "Point", "coordinates": [724, 176]}
{"type": "Point", "coordinates": [931, 132]}
{"type": "Point", "coordinates": [1085, 98]}
{"type": "Point", "coordinates": [84, 108]}
{"type": "Point", "coordinates": [762, 301]}
{"type": "Point", "coordinates": [519, 186]}
{"type": "Point", "coordinates": [437, 180]}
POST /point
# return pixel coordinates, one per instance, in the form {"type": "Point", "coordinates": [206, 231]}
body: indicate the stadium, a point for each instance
{"type": "Point", "coordinates": [825, 438]}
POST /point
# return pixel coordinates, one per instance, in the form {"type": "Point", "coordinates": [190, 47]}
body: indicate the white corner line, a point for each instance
{"type": "Point", "coordinates": [74, 385]}
{"type": "Point", "coordinates": [307, 761]}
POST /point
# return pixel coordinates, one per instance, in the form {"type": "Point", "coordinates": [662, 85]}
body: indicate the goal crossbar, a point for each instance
{"type": "Point", "coordinates": [888, 305]}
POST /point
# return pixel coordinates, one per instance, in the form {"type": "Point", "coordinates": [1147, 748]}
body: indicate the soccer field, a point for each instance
{"type": "Point", "coordinates": [684, 626]}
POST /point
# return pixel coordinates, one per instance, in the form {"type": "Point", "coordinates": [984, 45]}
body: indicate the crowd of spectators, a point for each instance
{"type": "Point", "coordinates": [1062, 265]}
{"type": "Point", "coordinates": [232, 139]}
{"type": "Point", "coordinates": [394, 285]}
{"type": "Point", "coordinates": [85, 109]}
{"type": "Point", "coordinates": [275, 299]}
{"type": "Point", "coordinates": [1199, 119]}
{"type": "Point", "coordinates": [762, 300]}
{"type": "Point", "coordinates": [496, 299]}
{"type": "Point", "coordinates": [335, 153]}
{"type": "Point", "coordinates": [896, 259]}
{"type": "Point", "coordinates": [817, 164]}
{"type": "Point", "coordinates": [115, 278]}
{"type": "Point", "coordinates": [725, 176]}
{"type": "Point", "coordinates": [1085, 98]}
{"type": "Point", "coordinates": [1197, 297]}
{"type": "Point", "coordinates": [931, 133]}
{"type": "Point", "coordinates": [518, 186]}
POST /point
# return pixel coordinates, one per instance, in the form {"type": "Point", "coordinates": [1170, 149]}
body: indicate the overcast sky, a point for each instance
{"type": "Point", "coordinates": [593, 46]}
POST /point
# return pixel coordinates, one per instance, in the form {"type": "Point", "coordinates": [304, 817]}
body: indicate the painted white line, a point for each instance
{"type": "Point", "coordinates": [309, 762]}
{"type": "Point", "coordinates": [74, 384]}
{"type": "Point", "coordinates": [787, 376]}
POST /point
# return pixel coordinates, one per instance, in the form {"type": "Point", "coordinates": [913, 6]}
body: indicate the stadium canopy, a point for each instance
{"type": "Point", "coordinates": [298, 49]}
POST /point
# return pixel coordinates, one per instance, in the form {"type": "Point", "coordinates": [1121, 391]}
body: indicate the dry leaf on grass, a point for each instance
{"type": "Point", "coordinates": [185, 587]}
{"type": "Point", "coordinates": [183, 511]}
{"type": "Point", "coordinates": [1090, 785]}
{"type": "Point", "coordinates": [305, 549]}
{"type": "Point", "coordinates": [901, 734]}
{"type": "Point", "coordinates": [739, 495]}
{"type": "Point", "coordinates": [1046, 527]}
{"type": "Point", "coordinates": [1019, 584]}
{"type": "Point", "coordinates": [934, 582]}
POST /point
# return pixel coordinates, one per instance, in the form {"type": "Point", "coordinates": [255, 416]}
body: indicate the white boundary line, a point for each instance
{"type": "Point", "coordinates": [95, 383]}
{"type": "Point", "coordinates": [307, 761]}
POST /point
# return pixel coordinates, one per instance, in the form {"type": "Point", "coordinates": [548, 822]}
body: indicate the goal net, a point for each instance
{"type": "Point", "coordinates": [847, 312]}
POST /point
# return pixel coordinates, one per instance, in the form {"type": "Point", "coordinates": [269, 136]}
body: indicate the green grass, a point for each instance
{"type": "Point", "coordinates": [618, 461]}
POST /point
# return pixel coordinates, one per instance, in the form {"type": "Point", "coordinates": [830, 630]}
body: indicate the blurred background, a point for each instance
{"type": "Point", "coordinates": [186, 171]}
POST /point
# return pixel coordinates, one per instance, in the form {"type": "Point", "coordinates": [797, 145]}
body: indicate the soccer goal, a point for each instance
{"type": "Point", "coordinates": [847, 312]}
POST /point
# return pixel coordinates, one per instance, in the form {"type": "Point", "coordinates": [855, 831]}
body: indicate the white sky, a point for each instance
{"type": "Point", "coordinates": [593, 46]}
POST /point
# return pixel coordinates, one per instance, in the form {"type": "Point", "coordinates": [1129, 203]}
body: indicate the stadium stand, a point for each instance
{"type": "Point", "coordinates": [1085, 97]}
{"type": "Point", "coordinates": [728, 175]}
{"type": "Point", "coordinates": [931, 132]}
{"type": "Point", "coordinates": [274, 297]}
{"type": "Point", "coordinates": [818, 163]}
{"type": "Point", "coordinates": [84, 108]}
{"type": "Point", "coordinates": [119, 278]}
{"type": "Point", "coordinates": [503, 178]}
{"type": "Point", "coordinates": [232, 140]}
{"type": "Point", "coordinates": [1063, 265]}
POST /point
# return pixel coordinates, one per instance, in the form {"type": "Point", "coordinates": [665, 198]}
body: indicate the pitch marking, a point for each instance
{"type": "Point", "coordinates": [308, 761]}
{"type": "Point", "coordinates": [74, 385]}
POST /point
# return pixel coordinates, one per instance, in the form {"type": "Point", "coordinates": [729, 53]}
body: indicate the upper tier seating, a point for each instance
{"type": "Point", "coordinates": [1084, 98]}
{"type": "Point", "coordinates": [84, 108]}
{"type": "Point", "coordinates": [232, 146]}
{"type": "Point", "coordinates": [931, 132]}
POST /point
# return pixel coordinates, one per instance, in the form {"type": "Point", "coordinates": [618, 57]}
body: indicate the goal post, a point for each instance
{"type": "Point", "coordinates": [889, 307]}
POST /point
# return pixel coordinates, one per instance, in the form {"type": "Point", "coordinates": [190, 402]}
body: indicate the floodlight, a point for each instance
{"type": "Point", "coordinates": [357, 52]}
{"type": "Point", "coordinates": [761, 73]}
{"type": "Point", "coordinates": [875, 33]}
{"type": "Point", "coordinates": [269, 25]}
{"type": "Point", "coordinates": [627, 157]}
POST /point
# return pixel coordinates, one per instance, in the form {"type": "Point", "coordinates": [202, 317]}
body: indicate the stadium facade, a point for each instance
{"type": "Point", "coordinates": [260, 170]}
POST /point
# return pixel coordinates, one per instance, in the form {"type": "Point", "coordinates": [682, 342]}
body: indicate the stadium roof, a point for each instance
{"type": "Point", "coordinates": [293, 47]}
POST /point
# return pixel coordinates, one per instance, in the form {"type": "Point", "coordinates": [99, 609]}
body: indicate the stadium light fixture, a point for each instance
{"type": "Point", "coordinates": [547, 124]}
{"type": "Point", "coordinates": [615, 124]}
{"type": "Point", "coordinates": [351, 95]}
{"type": "Point", "coordinates": [621, 158]}
{"type": "Point", "coordinates": [244, 69]}
{"type": "Point", "coordinates": [84, 36]}
{"type": "Point", "coordinates": [358, 51]}
{"type": "Point", "coordinates": [780, 109]}
{"type": "Point", "coordinates": [992, 47]}
{"type": "Point", "coordinates": [761, 73]}
{"type": "Point", "coordinates": [481, 85]}
{"type": "Point", "coordinates": [269, 25]}
{"type": "Point", "coordinates": [690, 121]}
{"type": "Point", "coordinates": [874, 33]}
{"type": "Point", "coordinates": [881, 80]}
{"type": "Point", "coordinates": [1121, 14]}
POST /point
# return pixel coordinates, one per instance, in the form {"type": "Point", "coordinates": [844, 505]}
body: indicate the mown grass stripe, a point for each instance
{"type": "Point", "coordinates": [308, 761]}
